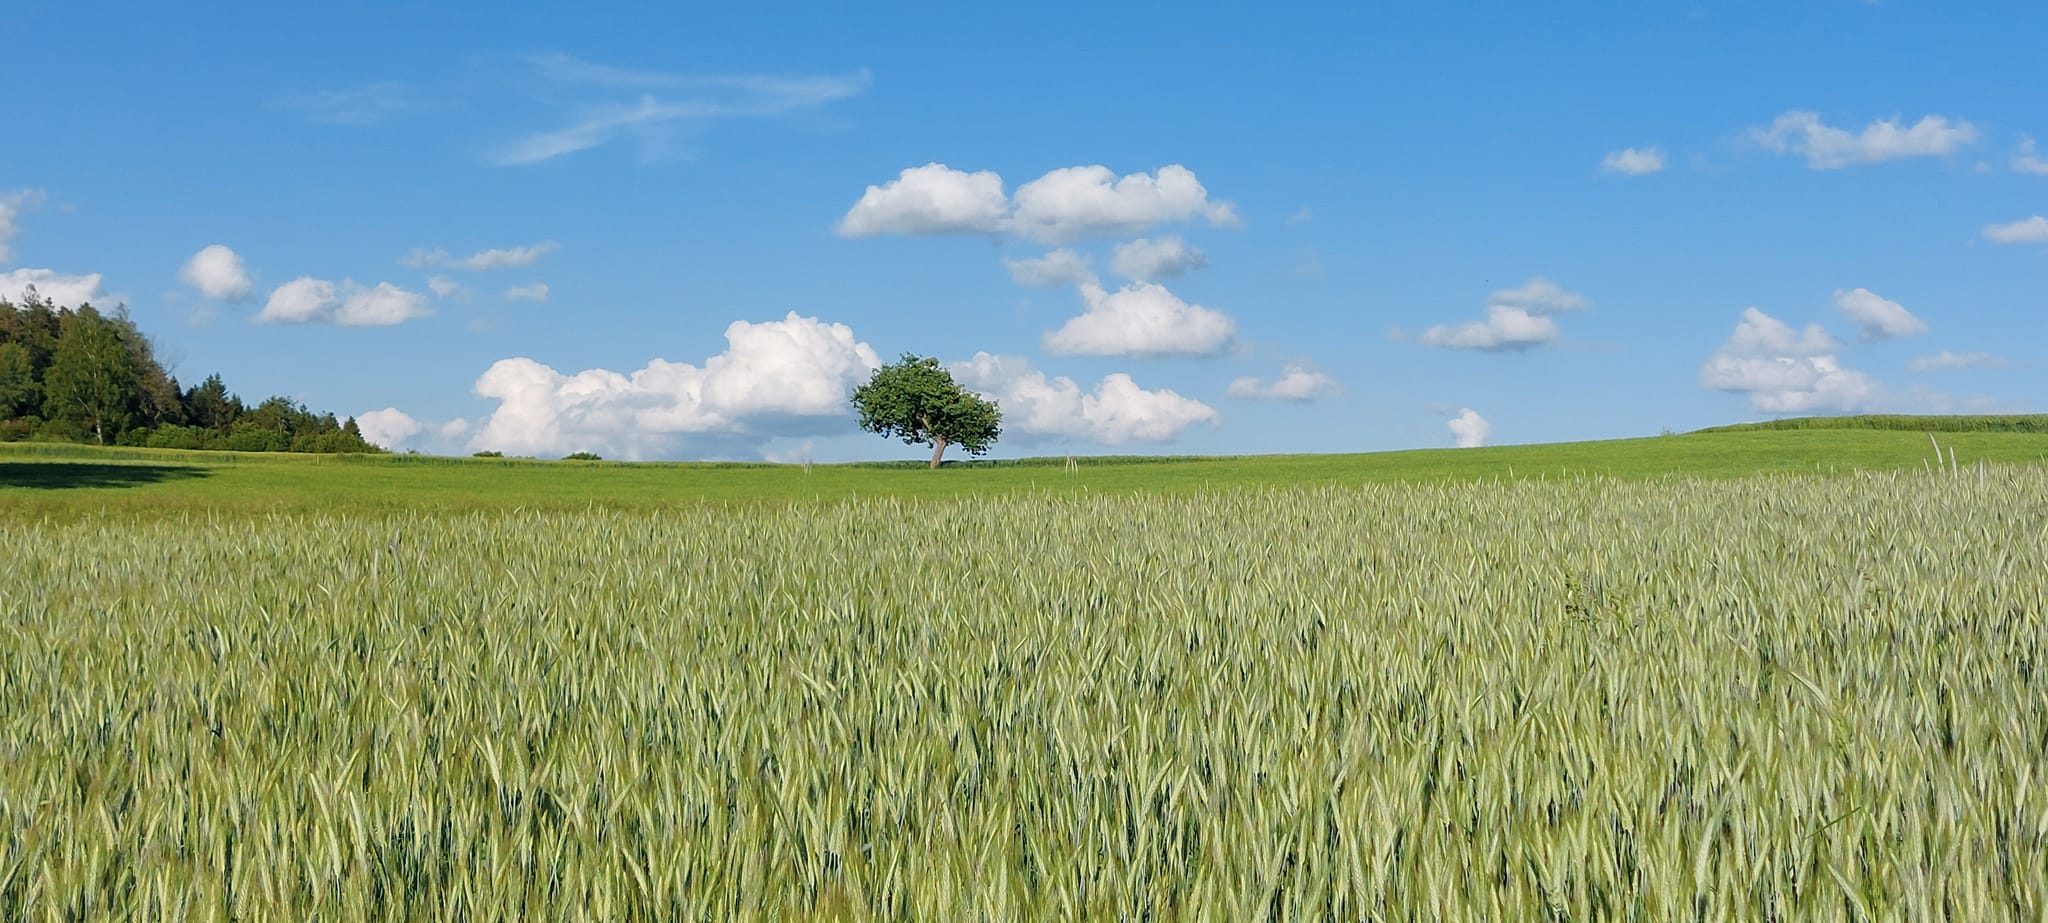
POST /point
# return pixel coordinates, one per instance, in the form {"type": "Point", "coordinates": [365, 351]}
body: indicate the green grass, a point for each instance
{"type": "Point", "coordinates": [58, 480]}
{"type": "Point", "coordinates": [1781, 697]}
{"type": "Point", "coordinates": [1778, 674]}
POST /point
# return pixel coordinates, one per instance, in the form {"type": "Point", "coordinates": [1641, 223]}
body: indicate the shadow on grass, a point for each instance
{"type": "Point", "coordinates": [63, 475]}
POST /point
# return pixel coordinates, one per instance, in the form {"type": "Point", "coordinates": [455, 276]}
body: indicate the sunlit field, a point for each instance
{"type": "Point", "coordinates": [1781, 696]}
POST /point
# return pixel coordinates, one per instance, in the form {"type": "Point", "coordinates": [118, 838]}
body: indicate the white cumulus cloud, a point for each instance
{"type": "Point", "coordinates": [786, 377]}
{"type": "Point", "coordinates": [58, 288]}
{"type": "Point", "coordinates": [1469, 428]}
{"type": "Point", "coordinates": [1297, 382]}
{"type": "Point", "coordinates": [11, 206]}
{"type": "Point", "coordinates": [537, 291]}
{"type": "Point", "coordinates": [1060, 267]}
{"type": "Point", "coordinates": [1783, 370]}
{"type": "Point", "coordinates": [1944, 360]}
{"type": "Point", "coordinates": [1116, 411]}
{"type": "Point", "coordinates": [1516, 319]}
{"type": "Point", "coordinates": [1074, 202]}
{"type": "Point", "coordinates": [1878, 318]}
{"type": "Point", "coordinates": [932, 199]}
{"type": "Point", "coordinates": [1063, 205]}
{"type": "Point", "coordinates": [1140, 319]}
{"type": "Point", "coordinates": [1633, 161]}
{"type": "Point", "coordinates": [388, 428]}
{"type": "Point", "coordinates": [302, 300]}
{"type": "Point", "coordinates": [218, 273]}
{"type": "Point", "coordinates": [307, 300]}
{"type": "Point", "coordinates": [2028, 231]}
{"type": "Point", "coordinates": [1150, 260]}
{"type": "Point", "coordinates": [1828, 148]}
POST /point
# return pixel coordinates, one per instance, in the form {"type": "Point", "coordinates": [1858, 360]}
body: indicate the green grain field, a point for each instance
{"type": "Point", "coordinates": [1737, 676]}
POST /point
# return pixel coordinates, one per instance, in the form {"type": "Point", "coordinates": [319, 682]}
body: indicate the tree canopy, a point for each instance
{"type": "Point", "coordinates": [83, 375]}
{"type": "Point", "coordinates": [915, 399]}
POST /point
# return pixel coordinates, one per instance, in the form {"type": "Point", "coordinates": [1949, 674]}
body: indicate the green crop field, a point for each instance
{"type": "Point", "coordinates": [68, 479]}
{"type": "Point", "coordinates": [1735, 676]}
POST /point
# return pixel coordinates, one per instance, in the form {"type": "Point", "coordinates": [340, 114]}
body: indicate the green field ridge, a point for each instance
{"type": "Point", "coordinates": [1918, 423]}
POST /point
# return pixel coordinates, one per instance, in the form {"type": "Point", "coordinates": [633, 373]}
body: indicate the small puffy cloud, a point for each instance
{"type": "Point", "coordinates": [1828, 148]}
{"type": "Point", "coordinates": [1504, 329]}
{"type": "Point", "coordinates": [381, 305]}
{"type": "Point", "coordinates": [787, 377]}
{"type": "Point", "coordinates": [442, 286]}
{"type": "Point", "coordinates": [1632, 161]}
{"type": "Point", "coordinates": [1116, 411]}
{"type": "Point", "coordinates": [496, 258]}
{"type": "Point", "coordinates": [307, 300]}
{"type": "Point", "coordinates": [1297, 382]}
{"type": "Point", "coordinates": [302, 300]}
{"type": "Point", "coordinates": [11, 206]}
{"type": "Point", "coordinates": [2026, 160]}
{"type": "Point", "coordinates": [1516, 319]}
{"type": "Point", "coordinates": [2028, 231]}
{"type": "Point", "coordinates": [1759, 335]}
{"type": "Point", "coordinates": [1074, 202]}
{"type": "Point", "coordinates": [1060, 267]}
{"type": "Point", "coordinates": [58, 288]}
{"type": "Point", "coordinates": [1878, 318]}
{"type": "Point", "coordinates": [1469, 428]}
{"type": "Point", "coordinates": [1140, 319]}
{"type": "Point", "coordinates": [932, 199]}
{"type": "Point", "coordinates": [537, 291]}
{"type": "Point", "coordinates": [388, 428]}
{"type": "Point", "coordinates": [1150, 260]}
{"type": "Point", "coordinates": [1946, 360]}
{"type": "Point", "coordinates": [218, 273]}
{"type": "Point", "coordinates": [1783, 370]}
{"type": "Point", "coordinates": [1063, 205]}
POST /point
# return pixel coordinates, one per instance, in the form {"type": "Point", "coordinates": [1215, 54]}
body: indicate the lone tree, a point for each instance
{"type": "Point", "coordinates": [917, 400]}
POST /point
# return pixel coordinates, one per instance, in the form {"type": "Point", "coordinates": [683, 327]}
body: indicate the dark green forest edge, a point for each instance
{"type": "Point", "coordinates": [85, 376]}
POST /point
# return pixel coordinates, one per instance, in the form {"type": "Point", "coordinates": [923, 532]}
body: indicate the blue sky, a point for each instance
{"type": "Point", "coordinates": [686, 234]}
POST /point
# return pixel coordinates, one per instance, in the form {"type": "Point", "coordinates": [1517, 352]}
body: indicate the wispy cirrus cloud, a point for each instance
{"type": "Point", "coordinates": [493, 258]}
{"type": "Point", "coordinates": [2026, 159]}
{"type": "Point", "coordinates": [610, 103]}
{"type": "Point", "coordinates": [354, 107]}
{"type": "Point", "coordinates": [12, 204]}
{"type": "Point", "coordinates": [1945, 360]}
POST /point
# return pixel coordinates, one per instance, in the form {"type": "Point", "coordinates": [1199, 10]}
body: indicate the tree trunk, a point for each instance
{"type": "Point", "coordinates": [938, 449]}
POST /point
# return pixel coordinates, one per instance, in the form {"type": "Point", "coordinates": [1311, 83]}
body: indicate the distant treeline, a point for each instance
{"type": "Point", "coordinates": [79, 375]}
{"type": "Point", "coordinates": [1949, 423]}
